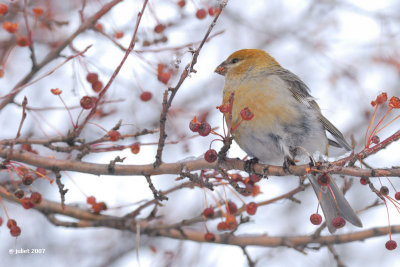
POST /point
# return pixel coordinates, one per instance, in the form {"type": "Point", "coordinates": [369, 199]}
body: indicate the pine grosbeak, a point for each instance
{"type": "Point", "coordinates": [287, 121]}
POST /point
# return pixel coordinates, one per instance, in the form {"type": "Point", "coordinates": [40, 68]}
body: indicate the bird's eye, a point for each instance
{"type": "Point", "coordinates": [235, 60]}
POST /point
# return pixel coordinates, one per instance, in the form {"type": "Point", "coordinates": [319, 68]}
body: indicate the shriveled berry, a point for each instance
{"type": "Point", "coordinates": [211, 155]}
{"type": "Point", "coordinates": [118, 35]}
{"type": "Point", "coordinates": [1, 221]}
{"type": "Point", "coordinates": [210, 237]}
{"type": "Point", "coordinates": [19, 194]}
{"type": "Point", "coordinates": [391, 245]}
{"type": "Point", "coordinates": [10, 223]}
{"type": "Point", "coordinates": [208, 212]}
{"type": "Point", "coordinates": [92, 77]}
{"type": "Point", "coordinates": [194, 125]}
{"type": "Point", "coordinates": [394, 102]}
{"type": "Point", "coordinates": [97, 207]}
{"type": "Point", "coordinates": [114, 135]}
{"type": "Point", "coordinates": [236, 177]}
{"type": "Point", "coordinates": [15, 231]}
{"type": "Point", "coordinates": [159, 28]}
{"type": "Point", "coordinates": [397, 196]}
{"type": "Point", "coordinates": [324, 179]}
{"type": "Point", "coordinates": [363, 181]}
{"type": "Point", "coordinates": [56, 91]}
{"type": "Point", "coordinates": [255, 178]}
{"type": "Point", "coordinates": [222, 226]}
{"type": "Point", "coordinates": [224, 108]}
{"type": "Point", "coordinates": [204, 129]}
{"type": "Point", "coordinates": [384, 190]}
{"type": "Point", "coordinates": [135, 148]}
{"type": "Point", "coordinates": [246, 114]}
{"type": "Point", "coordinates": [36, 198]}
{"type": "Point", "coordinates": [338, 222]}
{"type": "Point", "coordinates": [232, 208]}
{"type": "Point", "coordinates": [231, 222]}
{"type": "Point", "coordinates": [26, 203]}
{"type": "Point", "coordinates": [201, 13]}
{"type": "Point", "coordinates": [27, 179]}
{"type": "Point", "coordinates": [87, 102]}
{"type": "Point", "coordinates": [251, 208]}
{"type": "Point", "coordinates": [91, 200]}
{"type": "Point", "coordinates": [375, 139]}
{"type": "Point", "coordinates": [316, 219]}
{"type": "Point", "coordinates": [146, 96]}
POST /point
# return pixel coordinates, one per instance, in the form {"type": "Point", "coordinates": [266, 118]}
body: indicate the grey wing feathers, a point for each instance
{"type": "Point", "coordinates": [300, 91]}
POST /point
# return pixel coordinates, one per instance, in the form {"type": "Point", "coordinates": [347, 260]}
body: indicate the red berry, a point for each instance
{"type": "Point", "coordinates": [231, 222]}
{"type": "Point", "coordinates": [118, 35]}
{"type": "Point", "coordinates": [56, 91]}
{"type": "Point", "coordinates": [232, 208]}
{"type": "Point", "coordinates": [384, 190]}
{"type": "Point", "coordinates": [363, 181]}
{"type": "Point", "coordinates": [324, 179]}
{"type": "Point", "coordinates": [164, 77]}
{"type": "Point", "coordinates": [114, 135]}
{"type": "Point", "coordinates": [194, 125]}
{"type": "Point", "coordinates": [208, 212]}
{"type": "Point", "coordinates": [397, 196]}
{"type": "Point", "coordinates": [92, 77]}
{"type": "Point", "coordinates": [22, 41]}
{"type": "Point", "coordinates": [246, 114]}
{"type": "Point", "coordinates": [146, 96]}
{"type": "Point", "coordinates": [236, 177]}
{"type": "Point", "coordinates": [255, 178]}
{"type": "Point", "coordinates": [26, 203]}
{"type": "Point", "coordinates": [15, 231]}
{"type": "Point", "coordinates": [251, 208]}
{"type": "Point", "coordinates": [3, 9]}
{"type": "Point", "coordinates": [222, 226]}
{"type": "Point", "coordinates": [135, 148]}
{"type": "Point", "coordinates": [338, 222]}
{"type": "Point", "coordinates": [210, 237]}
{"type": "Point", "coordinates": [375, 139]}
{"type": "Point", "coordinates": [19, 194]}
{"type": "Point", "coordinates": [97, 86]}
{"type": "Point", "coordinates": [27, 179]}
{"type": "Point", "coordinates": [182, 3]}
{"type": "Point", "coordinates": [97, 207]}
{"type": "Point", "coordinates": [159, 28]}
{"type": "Point", "coordinates": [391, 245]}
{"type": "Point", "coordinates": [87, 102]}
{"type": "Point", "coordinates": [1, 221]}
{"type": "Point", "coordinates": [10, 27]}
{"type": "Point", "coordinates": [204, 129]}
{"type": "Point", "coordinates": [212, 11]}
{"type": "Point", "coordinates": [10, 223]}
{"type": "Point", "coordinates": [316, 219]}
{"type": "Point", "coordinates": [36, 198]}
{"type": "Point", "coordinates": [211, 155]}
{"type": "Point", "coordinates": [38, 11]}
{"type": "Point", "coordinates": [91, 200]}
{"type": "Point", "coordinates": [394, 102]}
{"type": "Point", "coordinates": [201, 13]}
{"type": "Point", "coordinates": [224, 108]}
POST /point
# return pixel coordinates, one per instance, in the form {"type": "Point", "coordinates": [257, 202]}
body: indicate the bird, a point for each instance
{"type": "Point", "coordinates": [287, 122]}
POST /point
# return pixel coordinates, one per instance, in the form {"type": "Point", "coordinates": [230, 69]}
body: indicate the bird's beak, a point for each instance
{"type": "Point", "coordinates": [221, 69]}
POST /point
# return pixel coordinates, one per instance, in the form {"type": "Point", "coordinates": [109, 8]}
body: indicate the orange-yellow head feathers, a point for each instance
{"type": "Point", "coordinates": [246, 60]}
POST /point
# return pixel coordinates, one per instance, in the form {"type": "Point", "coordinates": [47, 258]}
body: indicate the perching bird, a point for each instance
{"type": "Point", "coordinates": [287, 121]}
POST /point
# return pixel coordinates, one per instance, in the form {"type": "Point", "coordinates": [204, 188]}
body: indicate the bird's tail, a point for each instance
{"type": "Point", "coordinates": [333, 203]}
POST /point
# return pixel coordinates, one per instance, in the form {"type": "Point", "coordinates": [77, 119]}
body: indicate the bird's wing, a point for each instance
{"type": "Point", "coordinates": [300, 91]}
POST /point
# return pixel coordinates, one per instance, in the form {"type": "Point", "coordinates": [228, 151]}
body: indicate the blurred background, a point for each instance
{"type": "Point", "coordinates": [345, 51]}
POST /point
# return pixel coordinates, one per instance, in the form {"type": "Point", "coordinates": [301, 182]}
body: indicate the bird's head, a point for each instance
{"type": "Point", "coordinates": [245, 60]}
